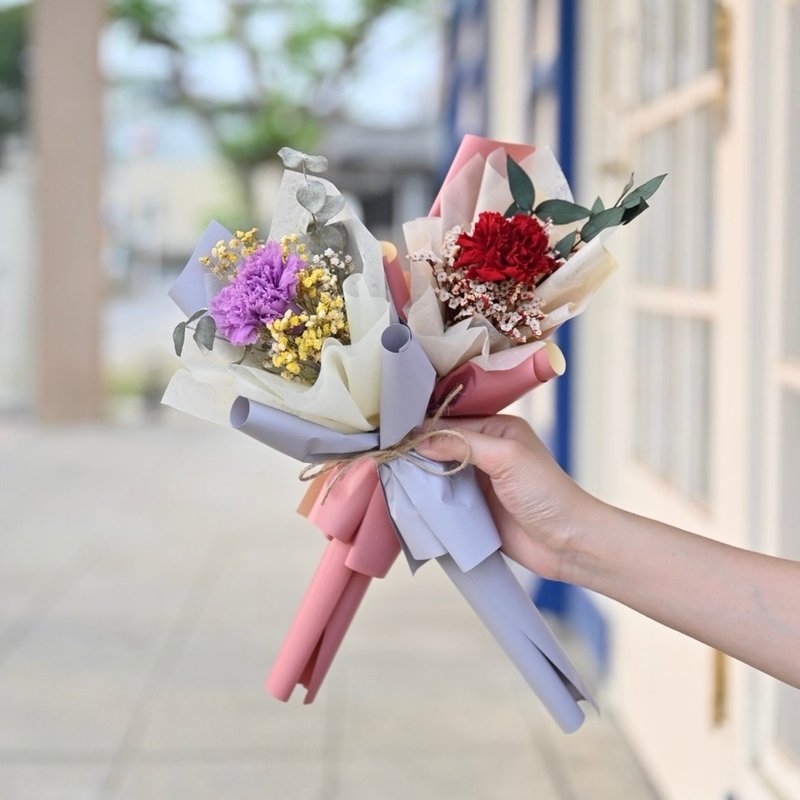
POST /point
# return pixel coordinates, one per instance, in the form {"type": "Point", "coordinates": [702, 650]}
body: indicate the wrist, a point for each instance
{"type": "Point", "coordinates": [581, 543]}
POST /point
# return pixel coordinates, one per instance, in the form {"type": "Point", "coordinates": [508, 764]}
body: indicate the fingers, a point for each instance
{"type": "Point", "coordinates": [489, 454]}
{"type": "Point", "coordinates": [502, 426]}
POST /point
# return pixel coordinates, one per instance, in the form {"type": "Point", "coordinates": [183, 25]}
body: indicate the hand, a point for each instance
{"type": "Point", "coordinates": [535, 505]}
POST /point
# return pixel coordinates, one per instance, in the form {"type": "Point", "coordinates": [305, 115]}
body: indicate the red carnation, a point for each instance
{"type": "Point", "coordinates": [499, 249]}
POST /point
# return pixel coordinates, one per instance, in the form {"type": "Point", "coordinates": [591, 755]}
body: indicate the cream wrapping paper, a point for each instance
{"type": "Point", "coordinates": [481, 184]}
{"type": "Point", "coordinates": [346, 396]}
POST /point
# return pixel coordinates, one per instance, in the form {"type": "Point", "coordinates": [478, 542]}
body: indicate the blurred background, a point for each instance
{"type": "Point", "coordinates": [138, 613]}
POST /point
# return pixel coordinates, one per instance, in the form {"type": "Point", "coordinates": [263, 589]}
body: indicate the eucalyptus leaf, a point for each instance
{"type": "Point", "coordinates": [561, 211]}
{"type": "Point", "coordinates": [334, 236]}
{"type": "Point", "coordinates": [598, 205]}
{"type": "Point", "coordinates": [599, 222]}
{"type": "Point", "coordinates": [204, 333]}
{"type": "Point", "coordinates": [520, 184]}
{"type": "Point", "coordinates": [322, 237]}
{"type": "Point", "coordinates": [247, 349]}
{"type": "Point", "coordinates": [312, 196]}
{"type": "Point", "coordinates": [179, 337]}
{"type": "Point", "coordinates": [643, 192]}
{"type": "Point", "coordinates": [333, 204]}
{"type": "Point", "coordinates": [291, 158]}
{"type": "Point", "coordinates": [565, 245]}
{"type": "Point", "coordinates": [196, 315]}
{"type": "Point", "coordinates": [316, 163]}
{"type": "Point", "coordinates": [634, 211]}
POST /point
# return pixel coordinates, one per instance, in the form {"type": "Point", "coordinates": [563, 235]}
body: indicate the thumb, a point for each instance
{"type": "Point", "coordinates": [487, 453]}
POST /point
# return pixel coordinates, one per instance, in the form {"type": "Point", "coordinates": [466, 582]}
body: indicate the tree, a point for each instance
{"type": "Point", "coordinates": [292, 83]}
{"type": "Point", "coordinates": [13, 79]}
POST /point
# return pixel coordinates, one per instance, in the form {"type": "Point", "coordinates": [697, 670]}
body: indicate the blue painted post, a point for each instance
{"type": "Point", "coordinates": [565, 87]}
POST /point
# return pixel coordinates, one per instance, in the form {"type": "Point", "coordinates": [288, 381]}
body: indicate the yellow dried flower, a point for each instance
{"type": "Point", "coordinates": [225, 256]}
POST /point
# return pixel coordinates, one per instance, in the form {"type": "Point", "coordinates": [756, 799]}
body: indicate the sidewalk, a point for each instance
{"type": "Point", "coordinates": [147, 576]}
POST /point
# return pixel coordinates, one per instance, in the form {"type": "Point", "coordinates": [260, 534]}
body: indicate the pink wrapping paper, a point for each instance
{"type": "Point", "coordinates": [395, 279]}
{"type": "Point", "coordinates": [362, 546]}
{"type": "Point", "coordinates": [470, 146]}
{"type": "Point", "coordinates": [489, 392]}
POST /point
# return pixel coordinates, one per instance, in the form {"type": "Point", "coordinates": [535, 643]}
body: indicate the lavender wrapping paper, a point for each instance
{"type": "Point", "coordinates": [437, 516]}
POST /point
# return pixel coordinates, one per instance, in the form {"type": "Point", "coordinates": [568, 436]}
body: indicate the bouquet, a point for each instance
{"type": "Point", "coordinates": [317, 341]}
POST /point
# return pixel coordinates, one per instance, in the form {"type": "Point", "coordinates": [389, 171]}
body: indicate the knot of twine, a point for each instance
{"type": "Point", "coordinates": [342, 465]}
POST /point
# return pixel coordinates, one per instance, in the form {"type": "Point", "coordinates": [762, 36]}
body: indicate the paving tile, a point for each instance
{"type": "Point", "coordinates": [242, 715]}
{"type": "Point", "coordinates": [141, 606]}
{"type": "Point", "coordinates": [510, 774]}
{"type": "Point", "coordinates": [270, 780]}
{"type": "Point", "coordinates": [74, 685]}
{"type": "Point", "coordinates": [50, 781]}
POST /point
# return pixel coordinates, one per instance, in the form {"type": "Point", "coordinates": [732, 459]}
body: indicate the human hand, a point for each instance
{"type": "Point", "coordinates": [534, 503]}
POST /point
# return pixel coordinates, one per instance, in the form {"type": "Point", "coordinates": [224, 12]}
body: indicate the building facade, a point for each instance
{"type": "Point", "coordinates": [684, 397]}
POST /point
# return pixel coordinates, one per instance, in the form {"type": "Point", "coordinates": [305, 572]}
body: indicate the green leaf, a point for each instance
{"type": "Point", "coordinates": [514, 209]}
{"type": "Point", "coordinates": [598, 205]}
{"type": "Point", "coordinates": [204, 333]}
{"type": "Point", "coordinates": [196, 315]}
{"type": "Point", "coordinates": [520, 184]}
{"type": "Point", "coordinates": [634, 211]}
{"type": "Point", "coordinates": [245, 353]}
{"type": "Point", "coordinates": [316, 163]}
{"type": "Point", "coordinates": [322, 237]}
{"type": "Point", "coordinates": [625, 190]}
{"type": "Point", "coordinates": [296, 159]}
{"type": "Point", "coordinates": [564, 246]}
{"type": "Point", "coordinates": [333, 204]}
{"type": "Point", "coordinates": [561, 211]}
{"type": "Point", "coordinates": [312, 196]}
{"type": "Point", "coordinates": [643, 192]}
{"type": "Point", "coordinates": [291, 158]}
{"type": "Point", "coordinates": [599, 222]}
{"type": "Point", "coordinates": [179, 337]}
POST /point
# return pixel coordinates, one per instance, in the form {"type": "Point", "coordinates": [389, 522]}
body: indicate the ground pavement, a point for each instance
{"type": "Point", "coordinates": [147, 574]}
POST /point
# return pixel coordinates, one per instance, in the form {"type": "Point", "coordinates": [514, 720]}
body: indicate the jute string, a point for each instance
{"type": "Point", "coordinates": [341, 466]}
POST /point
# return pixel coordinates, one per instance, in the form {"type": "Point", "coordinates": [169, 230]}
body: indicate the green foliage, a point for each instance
{"type": "Point", "coordinates": [313, 197]}
{"type": "Point", "coordinates": [248, 138]}
{"type": "Point", "coordinates": [149, 19]}
{"type": "Point", "coordinates": [607, 218]}
{"type": "Point", "coordinates": [630, 204]}
{"type": "Point", "coordinates": [14, 22]}
{"type": "Point", "coordinates": [318, 49]}
{"type": "Point", "coordinates": [564, 246]}
{"type": "Point", "coordinates": [521, 187]}
{"type": "Point", "coordinates": [204, 333]}
{"type": "Point", "coordinates": [179, 334]}
{"type": "Point", "coordinates": [561, 212]}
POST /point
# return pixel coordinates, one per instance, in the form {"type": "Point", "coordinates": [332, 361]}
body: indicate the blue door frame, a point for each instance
{"type": "Point", "coordinates": [573, 605]}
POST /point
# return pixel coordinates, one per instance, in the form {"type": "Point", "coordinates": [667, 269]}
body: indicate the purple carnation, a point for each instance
{"type": "Point", "coordinates": [262, 291]}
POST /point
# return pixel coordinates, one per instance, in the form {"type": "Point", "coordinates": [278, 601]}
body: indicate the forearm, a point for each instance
{"type": "Point", "coordinates": [746, 604]}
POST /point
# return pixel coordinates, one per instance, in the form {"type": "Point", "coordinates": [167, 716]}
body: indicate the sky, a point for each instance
{"type": "Point", "coordinates": [401, 61]}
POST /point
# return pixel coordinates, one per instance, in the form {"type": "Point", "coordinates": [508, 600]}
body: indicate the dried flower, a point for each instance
{"type": "Point", "coordinates": [500, 249]}
{"type": "Point", "coordinates": [513, 307]}
{"type": "Point", "coordinates": [261, 291]}
{"type": "Point", "coordinates": [225, 256]}
{"type": "Point", "coordinates": [295, 340]}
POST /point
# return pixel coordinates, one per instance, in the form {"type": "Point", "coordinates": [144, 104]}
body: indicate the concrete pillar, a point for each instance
{"type": "Point", "coordinates": [68, 149]}
{"type": "Point", "coordinates": [509, 48]}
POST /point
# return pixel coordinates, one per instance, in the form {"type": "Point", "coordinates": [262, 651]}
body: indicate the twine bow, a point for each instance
{"type": "Point", "coordinates": [341, 466]}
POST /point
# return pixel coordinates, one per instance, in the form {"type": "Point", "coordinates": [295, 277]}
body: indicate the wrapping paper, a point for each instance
{"type": "Point", "coordinates": [370, 394]}
{"type": "Point", "coordinates": [477, 181]}
{"type": "Point", "coordinates": [430, 516]}
{"type": "Point", "coordinates": [346, 396]}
